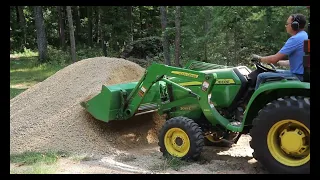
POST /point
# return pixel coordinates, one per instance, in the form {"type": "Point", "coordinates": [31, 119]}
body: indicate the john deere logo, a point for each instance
{"type": "Point", "coordinates": [225, 81]}
{"type": "Point", "coordinates": [188, 108]}
{"type": "Point", "coordinates": [185, 74]}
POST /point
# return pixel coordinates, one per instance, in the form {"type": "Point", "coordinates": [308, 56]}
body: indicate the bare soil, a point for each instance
{"type": "Point", "coordinates": [48, 116]}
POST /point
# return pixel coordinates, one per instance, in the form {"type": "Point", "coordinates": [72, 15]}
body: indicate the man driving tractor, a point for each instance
{"type": "Point", "coordinates": [293, 49]}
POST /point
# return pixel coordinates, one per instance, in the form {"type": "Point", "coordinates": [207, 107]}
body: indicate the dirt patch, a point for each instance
{"type": "Point", "coordinates": [48, 116]}
{"type": "Point", "coordinates": [213, 160]}
{"type": "Point", "coordinates": [14, 57]}
{"type": "Point", "coordinates": [136, 132]}
{"type": "Point", "coordinates": [148, 160]}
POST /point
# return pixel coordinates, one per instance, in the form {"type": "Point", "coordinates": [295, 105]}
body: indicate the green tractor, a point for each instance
{"type": "Point", "coordinates": [209, 104]}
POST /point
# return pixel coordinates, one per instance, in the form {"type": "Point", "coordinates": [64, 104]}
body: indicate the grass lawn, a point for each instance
{"type": "Point", "coordinates": [35, 162]}
{"type": "Point", "coordinates": [25, 72]}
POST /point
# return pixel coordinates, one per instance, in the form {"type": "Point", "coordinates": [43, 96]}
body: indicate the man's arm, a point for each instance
{"type": "Point", "coordinates": [273, 59]}
{"type": "Point", "coordinates": [284, 63]}
{"type": "Point", "coordinates": [287, 49]}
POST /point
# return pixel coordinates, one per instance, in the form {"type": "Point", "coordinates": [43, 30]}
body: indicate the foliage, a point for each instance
{"type": "Point", "coordinates": [218, 34]}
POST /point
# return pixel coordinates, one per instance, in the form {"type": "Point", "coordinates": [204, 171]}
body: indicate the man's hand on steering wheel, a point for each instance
{"type": "Point", "coordinates": [256, 59]}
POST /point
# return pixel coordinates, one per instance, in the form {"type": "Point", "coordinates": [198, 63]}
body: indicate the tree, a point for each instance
{"type": "Point", "coordinates": [71, 28]}
{"type": "Point", "coordinates": [89, 11]}
{"type": "Point", "coordinates": [41, 34]}
{"type": "Point", "coordinates": [165, 41]}
{"type": "Point", "coordinates": [77, 27]}
{"type": "Point", "coordinates": [215, 34]}
{"type": "Point", "coordinates": [177, 40]}
{"type": "Point", "coordinates": [23, 24]}
{"type": "Point", "coordinates": [129, 18]}
{"type": "Point", "coordinates": [61, 27]}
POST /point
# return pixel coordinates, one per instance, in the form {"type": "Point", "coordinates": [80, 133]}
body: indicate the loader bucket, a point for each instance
{"type": "Point", "coordinates": [106, 105]}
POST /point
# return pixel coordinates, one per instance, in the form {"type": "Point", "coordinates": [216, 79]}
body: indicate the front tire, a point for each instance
{"type": "Point", "coordinates": [181, 137]}
{"type": "Point", "coordinates": [281, 136]}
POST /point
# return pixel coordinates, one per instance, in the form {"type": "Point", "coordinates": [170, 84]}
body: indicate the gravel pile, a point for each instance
{"type": "Point", "coordinates": [48, 116]}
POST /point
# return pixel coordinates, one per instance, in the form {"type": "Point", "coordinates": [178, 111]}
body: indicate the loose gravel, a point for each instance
{"type": "Point", "coordinates": [48, 116]}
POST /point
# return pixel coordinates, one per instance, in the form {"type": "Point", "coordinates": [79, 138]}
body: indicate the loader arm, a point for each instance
{"type": "Point", "coordinates": [157, 72]}
{"type": "Point", "coordinates": [122, 101]}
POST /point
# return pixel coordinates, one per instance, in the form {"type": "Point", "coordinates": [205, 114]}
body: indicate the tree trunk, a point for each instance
{"type": "Point", "coordinates": [78, 27]}
{"type": "Point", "coordinates": [227, 41]}
{"type": "Point", "coordinates": [17, 14]}
{"type": "Point", "coordinates": [103, 43]}
{"type": "Point", "coordinates": [141, 29]}
{"type": "Point", "coordinates": [41, 33]}
{"type": "Point", "coordinates": [100, 37]}
{"type": "Point", "coordinates": [269, 39]}
{"type": "Point", "coordinates": [89, 11]}
{"type": "Point", "coordinates": [177, 40]}
{"type": "Point", "coordinates": [61, 27]}
{"type": "Point", "coordinates": [129, 17]}
{"type": "Point", "coordinates": [97, 28]}
{"type": "Point", "coordinates": [71, 28]}
{"type": "Point", "coordinates": [23, 24]}
{"type": "Point", "coordinates": [18, 21]}
{"type": "Point", "coordinates": [206, 32]}
{"type": "Point", "coordinates": [140, 18]}
{"type": "Point", "coordinates": [165, 42]}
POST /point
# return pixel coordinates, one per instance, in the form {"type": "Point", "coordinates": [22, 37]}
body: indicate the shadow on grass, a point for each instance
{"type": "Point", "coordinates": [37, 75]}
{"type": "Point", "coordinates": [23, 62]}
{"type": "Point", "coordinates": [27, 71]}
{"type": "Point", "coordinates": [15, 92]}
{"type": "Point", "coordinates": [17, 58]}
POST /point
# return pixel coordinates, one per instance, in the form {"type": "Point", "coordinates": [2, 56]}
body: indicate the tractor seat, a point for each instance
{"type": "Point", "coordinates": [270, 79]}
{"type": "Point", "coordinates": [306, 61]}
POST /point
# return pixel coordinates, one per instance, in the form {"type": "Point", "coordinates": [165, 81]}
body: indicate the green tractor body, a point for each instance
{"type": "Point", "coordinates": [228, 92]}
{"type": "Point", "coordinates": [108, 104]}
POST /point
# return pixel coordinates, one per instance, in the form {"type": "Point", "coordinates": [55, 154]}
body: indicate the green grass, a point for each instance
{"type": "Point", "coordinates": [31, 162]}
{"type": "Point", "coordinates": [25, 53]}
{"type": "Point", "coordinates": [169, 162]}
{"type": "Point", "coordinates": [37, 168]}
{"type": "Point", "coordinates": [30, 158]}
{"type": "Point", "coordinates": [25, 71]}
{"type": "Point", "coordinates": [16, 91]}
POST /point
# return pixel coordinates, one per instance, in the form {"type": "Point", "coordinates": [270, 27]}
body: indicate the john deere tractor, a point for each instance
{"type": "Point", "coordinates": [209, 104]}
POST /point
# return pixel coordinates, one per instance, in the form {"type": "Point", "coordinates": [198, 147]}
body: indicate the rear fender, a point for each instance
{"type": "Point", "coordinates": [270, 91]}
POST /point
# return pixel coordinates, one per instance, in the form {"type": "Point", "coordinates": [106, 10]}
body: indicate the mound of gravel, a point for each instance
{"type": "Point", "coordinates": [48, 116]}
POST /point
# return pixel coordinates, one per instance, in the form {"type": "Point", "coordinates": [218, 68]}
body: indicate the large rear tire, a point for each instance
{"type": "Point", "coordinates": [281, 136]}
{"type": "Point", "coordinates": [181, 137]}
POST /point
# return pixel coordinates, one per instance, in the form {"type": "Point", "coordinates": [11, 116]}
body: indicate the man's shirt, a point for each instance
{"type": "Point", "coordinates": [293, 48]}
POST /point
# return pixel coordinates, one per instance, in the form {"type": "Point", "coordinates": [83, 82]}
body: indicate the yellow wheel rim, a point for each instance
{"type": "Point", "coordinates": [289, 142]}
{"type": "Point", "coordinates": [177, 142]}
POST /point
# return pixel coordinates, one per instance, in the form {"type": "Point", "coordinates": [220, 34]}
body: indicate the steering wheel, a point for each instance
{"type": "Point", "coordinates": [262, 67]}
